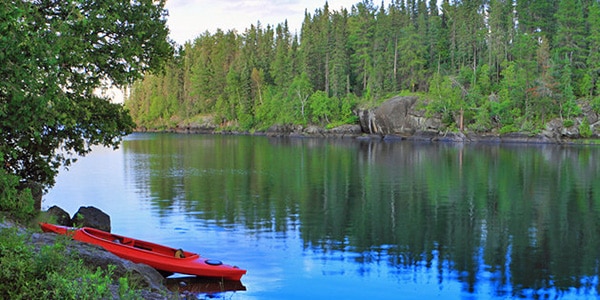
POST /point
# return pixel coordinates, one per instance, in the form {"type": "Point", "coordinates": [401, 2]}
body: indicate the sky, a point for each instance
{"type": "Point", "coordinates": [189, 18]}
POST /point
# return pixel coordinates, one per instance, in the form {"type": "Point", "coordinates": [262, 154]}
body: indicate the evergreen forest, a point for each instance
{"type": "Point", "coordinates": [482, 65]}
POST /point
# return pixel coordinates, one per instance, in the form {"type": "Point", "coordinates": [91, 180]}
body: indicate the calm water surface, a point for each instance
{"type": "Point", "coordinates": [336, 219]}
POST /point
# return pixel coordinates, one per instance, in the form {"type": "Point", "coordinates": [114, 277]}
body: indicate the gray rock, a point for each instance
{"type": "Point", "coordinates": [314, 130]}
{"type": "Point", "coordinates": [347, 129]}
{"type": "Point", "coordinates": [283, 130]}
{"type": "Point", "coordinates": [60, 215]}
{"type": "Point", "coordinates": [398, 116]}
{"type": "Point", "coordinates": [92, 217]}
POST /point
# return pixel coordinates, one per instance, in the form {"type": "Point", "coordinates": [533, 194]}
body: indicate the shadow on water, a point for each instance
{"type": "Point", "coordinates": [192, 285]}
{"type": "Point", "coordinates": [522, 220]}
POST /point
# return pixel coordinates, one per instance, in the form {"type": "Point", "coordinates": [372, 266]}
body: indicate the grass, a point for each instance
{"type": "Point", "coordinates": [52, 273]}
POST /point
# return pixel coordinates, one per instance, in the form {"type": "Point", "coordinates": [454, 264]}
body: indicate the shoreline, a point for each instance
{"type": "Point", "coordinates": [402, 118]}
{"type": "Point", "coordinates": [351, 132]}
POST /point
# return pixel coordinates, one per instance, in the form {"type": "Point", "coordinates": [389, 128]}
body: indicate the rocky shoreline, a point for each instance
{"type": "Point", "coordinates": [402, 118]}
{"type": "Point", "coordinates": [148, 281]}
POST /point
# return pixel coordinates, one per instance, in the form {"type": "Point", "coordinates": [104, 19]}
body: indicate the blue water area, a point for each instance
{"type": "Point", "coordinates": [347, 219]}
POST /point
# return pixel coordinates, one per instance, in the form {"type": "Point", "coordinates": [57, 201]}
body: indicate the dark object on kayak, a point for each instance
{"type": "Point", "coordinates": [164, 259]}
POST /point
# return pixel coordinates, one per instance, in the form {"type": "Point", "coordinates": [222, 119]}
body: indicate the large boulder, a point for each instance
{"type": "Point", "coordinates": [60, 216]}
{"type": "Point", "coordinates": [399, 116]}
{"type": "Point", "coordinates": [92, 217]}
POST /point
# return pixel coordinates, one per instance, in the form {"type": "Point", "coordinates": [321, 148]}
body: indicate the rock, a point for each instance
{"type": "Point", "coordinates": [313, 130]}
{"type": "Point", "coordinates": [517, 137]}
{"type": "Point", "coordinates": [346, 130]}
{"type": "Point", "coordinates": [283, 130]}
{"type": "Point", "coordinates": [452, 137]}
{"type": "Point", "coordinates": [424, 135]}
{"type": "Point", "coordinates": [588, 112]}
{"type": "Point", "coordinates": [60, 215]}
{"type": "Point", "coordinates": [398, 116]}
{"type": "Point", "coordinates": [92, 217]}
{"type": "Point", "coordinates": [367, 121]}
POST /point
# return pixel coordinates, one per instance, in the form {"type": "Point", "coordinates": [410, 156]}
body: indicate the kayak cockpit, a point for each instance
{"type": "Point", "coordinates": [137, 244]}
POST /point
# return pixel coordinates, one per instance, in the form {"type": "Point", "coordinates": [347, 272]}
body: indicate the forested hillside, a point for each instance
{"type": "Point", "coordinates": [495, 64]}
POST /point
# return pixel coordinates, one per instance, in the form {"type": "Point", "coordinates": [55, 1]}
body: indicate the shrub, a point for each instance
{"type": "Point", "coordinates": [51, 273]}
{"type": "Point", "coordinates": [568, 123]}
{"type": "Point", "coordinates": [584, 128]}
{"type": "Point", "coordinates": [18, 203]}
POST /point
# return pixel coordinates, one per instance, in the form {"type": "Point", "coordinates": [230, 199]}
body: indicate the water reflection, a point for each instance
{"type": "Point", "coordinates": [500, 220]}
{"type": "Point", "coordinates": [197, 285]}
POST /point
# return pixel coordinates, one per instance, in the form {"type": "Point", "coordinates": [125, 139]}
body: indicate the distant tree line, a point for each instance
{"type": "Point", "coordinates": [481, 64]}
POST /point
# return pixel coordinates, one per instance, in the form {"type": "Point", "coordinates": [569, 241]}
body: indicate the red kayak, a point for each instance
{"type": "Point", "coordinates": [162, 258]}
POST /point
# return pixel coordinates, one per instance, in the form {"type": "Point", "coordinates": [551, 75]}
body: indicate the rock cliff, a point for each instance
{"type": "Point", "coordinates": [404, 118]}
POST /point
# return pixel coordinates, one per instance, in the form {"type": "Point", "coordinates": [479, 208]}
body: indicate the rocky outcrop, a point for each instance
{"type": "Point", "coordinates": [399, 116]}
{"type": "Point", "coordinates": [92, 217]}
{"type": "Point", "coordinates": [343, 131]}
{"type": "Point", "coordinates": [403, 118]}
{"type": "Point", "coordinates": [556, 128]}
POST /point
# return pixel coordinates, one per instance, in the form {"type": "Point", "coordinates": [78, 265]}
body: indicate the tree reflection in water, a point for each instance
{"type": "Point", "coordinates": [523, 219]}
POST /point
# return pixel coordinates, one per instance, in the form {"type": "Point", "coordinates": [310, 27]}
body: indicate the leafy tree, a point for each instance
{"type": "Point", "coordinates": [299, 93]}
{"type": "Point", "coordinates": [507, 107]}
{"type": "Point", "coordinates": [18, 202]}
{"type": "Point", "coordinates": [321, 107]}
{"type": "Point", "coordinates": [445, 98]}
{"type": "Point", "coordinates": [53, 55]}
{"type": "Point", "coordinates": [268, 112]}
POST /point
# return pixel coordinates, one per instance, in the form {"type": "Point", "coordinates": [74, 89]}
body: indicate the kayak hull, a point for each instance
{"type": "Point", "coordinates": [160, 257]}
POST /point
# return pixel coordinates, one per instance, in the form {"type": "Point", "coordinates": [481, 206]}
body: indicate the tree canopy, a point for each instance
{"type": "Point", "coordinates": [495, 64]}
{"type": "Point", "coordinates": [53, 55]}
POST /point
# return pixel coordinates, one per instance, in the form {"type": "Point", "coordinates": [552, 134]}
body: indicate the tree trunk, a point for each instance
{"type": "Point", "coordinates": [461, 119]}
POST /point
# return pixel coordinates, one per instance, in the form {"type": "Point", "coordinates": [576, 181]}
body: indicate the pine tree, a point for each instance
{"type": "Point", "coordinates": [591, 87]}
{"type": "Point", "coordinates": [339, 64]}
{"type": "Point", "coordinates": [439, 41]}
{"type": "Point", "coordinates": [411, 64]}
{"type": "Point", "coordinates": [281, 68]}
{"type": "Point", "coordinates": [570, 41]}
{"type": "Point", "coordinates": [361, 40]}
{"type": "Point", "coordinates": [314, 47]}
{"type": "Point", "coordinates": [537, 17]}
{"type": "Point", "coordinates": [382, 52]}
{"type": "Point", "coordinates": [500, 32]}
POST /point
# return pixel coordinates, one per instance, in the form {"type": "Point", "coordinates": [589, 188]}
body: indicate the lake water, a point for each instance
{"type": "Point", "coordinates": [347, 219]}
